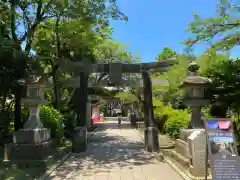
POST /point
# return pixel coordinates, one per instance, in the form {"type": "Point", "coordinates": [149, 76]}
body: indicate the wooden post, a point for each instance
{"type": "Point", "coordinates": [150, 132]}
{"type": "Point", "coordinates": [80, 132]}
{"type": "Point", "coordinates": [83, 98]}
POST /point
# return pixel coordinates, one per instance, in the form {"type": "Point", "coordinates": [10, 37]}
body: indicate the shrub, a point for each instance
{"type": "Point", "coordinates": [69, 120]}
{"type": "Point", "coordinates": [158, 108]}
{"type": "Point", "coordinates": [176, 120]}
{"type": "Point", "coordinates": [159, 116]}
{"type": "Point", "coordinates": [51, 118]}
{"type": "Point", "coordinates": [24, 113]}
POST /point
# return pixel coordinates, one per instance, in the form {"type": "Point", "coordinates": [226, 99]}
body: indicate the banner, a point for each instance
{"type": "Point", "coordinates": [222, 148]}
{"type": "Point", "coordinates": [95, 113]}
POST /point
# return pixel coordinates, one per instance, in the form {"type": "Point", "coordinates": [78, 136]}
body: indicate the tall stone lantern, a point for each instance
{"type": "Point", "coordinates": [195, 88]}
{"type": "Point", "coordinates": [34, 99]}
{"type": "Point", "coordinates": [33, 137]}
{"type": "Point", "coordinates": [191, 144]}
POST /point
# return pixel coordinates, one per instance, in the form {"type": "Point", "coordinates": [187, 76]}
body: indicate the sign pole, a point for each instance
{"type": "Point", "coordinates": [206, 160]}
{"type": "Point", "coordinates": [206, 152]}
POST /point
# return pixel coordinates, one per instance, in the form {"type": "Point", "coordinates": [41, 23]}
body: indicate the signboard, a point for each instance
{"type": "Point", "coordinates": [118, 111]}
{"type": "Point", "coordinates": [115, 73]}
{"type": "Point", "coordinates": [222, 149]}
{"type": "Point", "coordinates": [225, 167]}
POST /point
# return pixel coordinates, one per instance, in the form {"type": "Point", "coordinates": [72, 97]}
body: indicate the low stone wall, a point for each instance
{"type": "Point", "coordinates": [140, 125]}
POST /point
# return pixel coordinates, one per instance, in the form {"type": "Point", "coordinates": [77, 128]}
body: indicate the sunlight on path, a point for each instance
{"type": "Point", "coordinates": [114, 154]}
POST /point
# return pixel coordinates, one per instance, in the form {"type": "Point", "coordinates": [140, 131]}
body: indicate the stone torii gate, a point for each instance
{"type": "Point", "coordinates": [115, 71]}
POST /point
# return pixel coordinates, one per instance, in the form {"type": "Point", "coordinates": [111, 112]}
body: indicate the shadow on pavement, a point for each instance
{"type": "Point", "coordinates": [111, 147]}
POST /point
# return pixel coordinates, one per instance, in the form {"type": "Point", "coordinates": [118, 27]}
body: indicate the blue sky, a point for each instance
{"type": "Point", "coordinates": [155, 24]}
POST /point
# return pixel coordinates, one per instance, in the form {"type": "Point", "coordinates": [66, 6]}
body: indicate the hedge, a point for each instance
{"type": "Point", "coordinates": [172, 120]}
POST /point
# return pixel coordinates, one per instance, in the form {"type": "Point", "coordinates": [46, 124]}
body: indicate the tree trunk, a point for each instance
{"type": "Point", "coordinates": [55, 68]}
{"type": "Point", "coordinates": [56, 89]}
{"type": "Point", "coordinates": [17, 111]}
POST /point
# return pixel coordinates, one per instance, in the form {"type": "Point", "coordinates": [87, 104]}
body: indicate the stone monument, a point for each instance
{"type": "Point", "coordinates": [192, 142]}
{"type": "Point", "coordinates": [33, 141]}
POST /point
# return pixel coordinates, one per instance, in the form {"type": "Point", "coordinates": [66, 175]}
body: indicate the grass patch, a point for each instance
{"type": "Point", "coordinates": [14, 173]}
{"type": "Point", "coordinates": [65, 143]}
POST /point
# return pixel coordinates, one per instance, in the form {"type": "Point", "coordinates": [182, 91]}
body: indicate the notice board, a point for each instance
{"type": "Point", "coordinates": [222, 148]}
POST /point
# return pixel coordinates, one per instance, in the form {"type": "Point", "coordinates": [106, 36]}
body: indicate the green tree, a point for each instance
{"type": "Point", "coordinates": [21, 19]}
{"type": "Point", "coordinates": [224, 25]}
{"type": "Point", "coordinates": [211, 58]}
{"type": "Point", "coordinates": [166, 54]}
{"type": "Point", "coordinates": [171, 93]}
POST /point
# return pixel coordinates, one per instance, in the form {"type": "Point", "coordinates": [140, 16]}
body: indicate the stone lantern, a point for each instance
{"type": "Point", "coordinates": [195, 88]}
{"type": "Point", "coordinates": [34, 99]}
{"type": "Point", "coordinates": [191, 145]}
{"type": "Point", "coordinates": [33, 137]}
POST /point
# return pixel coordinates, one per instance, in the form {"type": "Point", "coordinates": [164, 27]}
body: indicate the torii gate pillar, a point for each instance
{"type": "Point", "coordinates": [150, 131]}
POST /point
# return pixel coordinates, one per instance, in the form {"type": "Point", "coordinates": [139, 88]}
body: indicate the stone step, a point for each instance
{"type": "Point", "coordinates": [48, 160]}
{"type": "Point", "coordinates": [182, 148]}
{"type": "Point", "coordinates": [183, 161]}
{"type": "Point", "coordinates": [184, 164]}
{"type": "Point", "coordinates": [185, 170]}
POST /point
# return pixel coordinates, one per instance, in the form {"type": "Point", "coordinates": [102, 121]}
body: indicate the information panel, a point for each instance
{"type": "Point", "coordinates": [225, 167]}
{"type": "Point", "coordinates": [222, 148]}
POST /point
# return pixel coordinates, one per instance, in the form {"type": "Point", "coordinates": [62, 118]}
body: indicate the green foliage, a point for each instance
{"type": "Point", "coordinates": [171, 93]}
{"type": "Point", "coordinates": [206, 112]}
{"type": "Point", "coordinates": [225, 25]}
{"type": "Point", "coordinates": [177, 120]}
{"type": "Point", "coordinates": [158, 108]}
{"type": "Point", "coordinates": [51, 118]}
{"type": "Point", "coordinates": [48, 94]}
{"type": "Point", "coordinates": [69, 119]}
{"type": "Point", "coordinates": [166, 54]}
{"type": "Point", "coordinates": [225, 78]}
{"type": "Point", "coordinates": [171, 120]}
{"type": "Point", "coordinates": [126, 96]}
{"type": "Point", "coordinates": [65, 143]}
{"type": "Point", "coordinates": [24, 113]}
{"type": "Point", "coordinates": [210, 59]}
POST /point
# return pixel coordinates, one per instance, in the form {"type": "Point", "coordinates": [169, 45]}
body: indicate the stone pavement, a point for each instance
{"type": "Point", "coordinates": [114, 153]}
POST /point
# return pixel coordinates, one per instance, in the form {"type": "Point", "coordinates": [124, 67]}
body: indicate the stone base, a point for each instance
{"type": "Point", "coordinates": [191, 147]}
{"type": "Point", "coordinates": [32, 136]}
{"type": "Point", "coordinates": [48, 161]}
{"type": "Point", "coordinates": [195, 172]}
{"type": "Point", "coordinates": [28, 151]}
{"type": "Point", "coordinates": [182, 148]}
{"type": "Point", "coordinates": [151, 139]}
{"type": "Point", "coordinates": [184, 133]}
{"type": "Point", "coordinates": [79, 140]}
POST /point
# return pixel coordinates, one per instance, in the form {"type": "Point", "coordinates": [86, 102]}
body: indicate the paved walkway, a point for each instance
{"type": "Point", "coordinates": [114, 153]}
